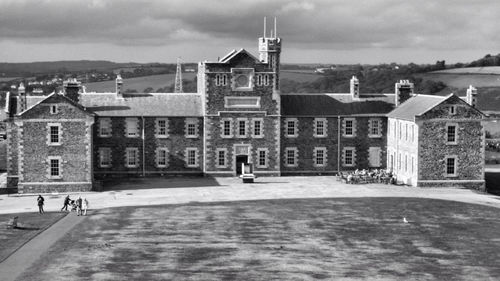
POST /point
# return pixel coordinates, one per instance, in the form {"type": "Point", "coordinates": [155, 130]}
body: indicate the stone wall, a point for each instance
{"type": "Point", "coordinates": [476, 185]}
{"type": "Point", "coordinates": [35, 152]}
{"type": "Point", "coordinates": [73, 148]}
{"type": "Point", "coordinates": [12, 154]}
{"type": "Point", "coordinates": [52, 188]}
{"type": "Point", "coordinates": [469, 150]}
{"type": "Point", "coordinates": [216, 110]}
{"type": "Point", "coordinates": [176, 144]}
{"type": "Point", "coordinates": [269, 141]}
{"type": "Point", "coordinates": [214, 94]}
{"type": "Point", "coordinates": [305, 143]}
{"type": "Point", "coordinates": [462, 111]}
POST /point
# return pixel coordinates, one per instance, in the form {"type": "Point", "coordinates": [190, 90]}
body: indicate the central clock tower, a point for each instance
{"type": "Point", "coordinates": [241, 108]}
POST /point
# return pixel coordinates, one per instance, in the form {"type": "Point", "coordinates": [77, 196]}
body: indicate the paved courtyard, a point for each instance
{"type": "Point", "coordinates": [179, 190]}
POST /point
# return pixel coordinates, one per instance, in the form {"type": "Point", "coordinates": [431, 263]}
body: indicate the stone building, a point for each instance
{"type": "Point", "coordinates": [73, 139]}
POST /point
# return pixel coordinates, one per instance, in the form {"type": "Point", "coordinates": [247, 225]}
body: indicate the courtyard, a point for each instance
{"type": "Point", "coordinates": [279, 228]}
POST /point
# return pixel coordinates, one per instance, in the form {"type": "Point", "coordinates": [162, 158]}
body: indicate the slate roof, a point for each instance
{"type": "Point", "coordinates": [335, 104]}
{"type": "Point", "coordinates": [231, 55]}
{"type": "Point", "coordinates": [415, 106]}
{"type": "Point", "coordinates": [150, 104]}
{"type": "Point", "coordinates": [227, 58]}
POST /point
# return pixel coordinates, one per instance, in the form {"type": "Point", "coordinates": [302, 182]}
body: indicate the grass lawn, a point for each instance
{"type": "Point", "coordinates": [302, 239]}
{"type": "Point", "coordinates": [30, 225]}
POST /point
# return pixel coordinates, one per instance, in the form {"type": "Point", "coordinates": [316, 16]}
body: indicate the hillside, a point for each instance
{"type": "Point", "coordinates": [485, 79]}
{"type": "Point", "coordinates": [15, 69]}
{"type": "Point", "coordinates": [462, 81]}
{"type": "Point", "coordinates": [471, 70]}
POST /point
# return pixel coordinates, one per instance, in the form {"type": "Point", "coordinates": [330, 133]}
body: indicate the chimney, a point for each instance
{"type": "Point", "coordinates": [21, 93]}
{"type": "Point", "coordinates": [471, 96]}
{"type": "Point", "coordinates": [355, 87]}
{"type": "Point", "coordinates": [403, 91]}
{"type": "Point", "coordinates": [72, 89]}
{"type": "Point", "coordinates": [119, 84]}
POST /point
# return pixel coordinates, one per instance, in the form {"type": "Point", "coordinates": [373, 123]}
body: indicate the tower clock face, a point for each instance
{"type": "Point", "coordinates": [242, 80]}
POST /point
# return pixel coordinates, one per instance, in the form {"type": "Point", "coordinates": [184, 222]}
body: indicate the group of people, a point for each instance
{"type": "Point", "coordinates": [79, 205]}
{"type": "Point", "coordinates": [367, 176]}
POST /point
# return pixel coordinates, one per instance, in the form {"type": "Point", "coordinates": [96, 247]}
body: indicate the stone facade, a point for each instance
{"type": "Point", "coordinates": [174, 142]}
{"type": "Point", "coordinates": [359, 140]}
{"type": "Point", "coordinates": [242, 114]}
{"type": "Point", "coordinates": [53, 147]}
{"type": "Point", "coordinates": [444, 147]}
{"type": "Point", "coordinates": [468, 148]}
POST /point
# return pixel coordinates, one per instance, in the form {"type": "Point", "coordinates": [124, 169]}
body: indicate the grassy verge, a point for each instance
{"type": "Point", "coordinates": [30, 224]}
{"type": "Point", "coordinates": [302, 239]}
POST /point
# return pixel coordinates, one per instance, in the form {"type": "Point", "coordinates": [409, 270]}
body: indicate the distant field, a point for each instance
{"type": "Point", "coordinates": [138, 83]}
{"type": "Point", "coordinates": [299, 75]}
{"type": "Point", "coordinates": [7, 79]}
{"type": "Point", "coordinates": [493, 128]}
{"type": "Point", "coordinates": [163, 80]}
{"type": "Point", "coordinates": [488, 85]}
{"type": "Point", "coordinates": [462, 81]}
{"type": "Point", "coordinates": [472, 70]}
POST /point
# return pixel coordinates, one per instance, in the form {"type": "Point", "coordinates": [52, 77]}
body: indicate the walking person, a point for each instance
{"type": "Point", "coordinates": [79, 206]}
{"type": "Point", "coordinates": [67, 201]}
{"type": "Point", "coordinates": [85, 206]}
{"type": "Point", "coordinates": [40, 200]}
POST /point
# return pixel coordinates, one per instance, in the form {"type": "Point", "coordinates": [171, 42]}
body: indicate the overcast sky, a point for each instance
{"type": "Point", "coordinates": [319, 31]}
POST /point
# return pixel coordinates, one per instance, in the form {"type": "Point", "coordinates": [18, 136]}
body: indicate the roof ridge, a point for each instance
{"type": "Point", "coordinates": [431, 96]}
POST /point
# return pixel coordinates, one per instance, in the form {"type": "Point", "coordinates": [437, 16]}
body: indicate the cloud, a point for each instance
{"type": "Point", "coordinates": [296, 7]}
{"type": "Point", "coordinates": [319, 24]}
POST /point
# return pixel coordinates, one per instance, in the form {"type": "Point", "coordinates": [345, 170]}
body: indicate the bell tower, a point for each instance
{"type": "Point", "coordinates": [270, 51]}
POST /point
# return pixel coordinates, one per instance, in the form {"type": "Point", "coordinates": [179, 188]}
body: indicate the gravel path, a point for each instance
{"type": "Point", "coordinates": [178, 190]}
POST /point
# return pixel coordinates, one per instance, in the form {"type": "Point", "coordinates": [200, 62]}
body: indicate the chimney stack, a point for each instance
{"type": "Point", "coordinates": [472, 96]}
{"type": "Point", "coordinates": [119, 84]}
{"type": "Point", "coordinates": [403, 91]}
{"type": "Point", "coordinates": [21, 92]}
{"type": "Point", "coordinates": [355, 87]}
{"type": "Point", "coordinates": [72, 89]}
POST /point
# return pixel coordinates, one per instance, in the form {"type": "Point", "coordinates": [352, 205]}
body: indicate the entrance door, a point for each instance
{"type": "Point", "coordinates": [240, 159]}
